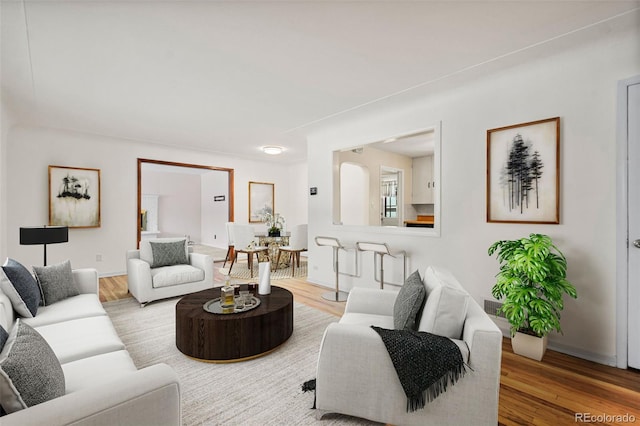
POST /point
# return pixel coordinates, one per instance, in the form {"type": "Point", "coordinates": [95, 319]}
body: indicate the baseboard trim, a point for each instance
{"type": "Point", "coordinates": [111, 274]}
{"type": "Point", "coordinates": [318, 283]}
{"type": "Point", "coordinates": [503, 325]}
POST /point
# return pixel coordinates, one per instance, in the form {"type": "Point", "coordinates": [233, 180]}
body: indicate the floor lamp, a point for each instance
{"type": "Point", "coordinates": [337, 296]}
{"type": "Point", "coordinates": [35, 235]}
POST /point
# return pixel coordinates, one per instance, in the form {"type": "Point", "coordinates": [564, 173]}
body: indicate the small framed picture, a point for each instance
{"type": "Point", "coordinates": [523, 173]}
{"type": "Point", "coordinates": [261, 195]}
{"type": "Point", "coordinates": [74, 197]}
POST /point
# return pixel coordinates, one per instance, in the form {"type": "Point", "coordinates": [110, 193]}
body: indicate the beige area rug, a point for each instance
{"type": "Point", "coordinates": [218, 254]}
{"type": "Point", "coordinates": [241, 271]}
{"type": "Point", "coordinates": [262, 391]}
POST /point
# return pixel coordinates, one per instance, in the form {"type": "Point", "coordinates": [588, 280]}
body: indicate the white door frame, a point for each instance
{"type": "Point", "coordinates": [622, 224]}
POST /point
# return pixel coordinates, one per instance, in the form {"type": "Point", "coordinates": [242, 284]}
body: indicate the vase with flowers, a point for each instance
{"type": "Point", "coordinates": [274, 223]}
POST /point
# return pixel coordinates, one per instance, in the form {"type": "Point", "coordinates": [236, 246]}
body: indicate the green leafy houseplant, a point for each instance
{"type": "Point", "coordinates": [532, 281]}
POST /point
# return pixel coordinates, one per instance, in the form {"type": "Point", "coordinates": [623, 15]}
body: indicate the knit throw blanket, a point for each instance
{"type": "Point", "coordinates": [425, 363]}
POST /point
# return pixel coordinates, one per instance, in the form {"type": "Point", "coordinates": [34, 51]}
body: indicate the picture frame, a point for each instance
{"type": "Point", "coordinates": [74, 197]}
{"type": "Point", "coordinates": [261, 200]}
{"type": "Point", "coordinates": [523, 173]}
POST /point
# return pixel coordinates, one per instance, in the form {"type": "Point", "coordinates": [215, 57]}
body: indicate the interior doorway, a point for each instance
{"type": "Point", "coordinates": [628, 225]}
{"type": "Point", "coordinates": [200, 204]}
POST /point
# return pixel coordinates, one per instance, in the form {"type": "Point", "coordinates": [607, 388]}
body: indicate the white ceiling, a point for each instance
{"type": "Point", "coordinates": [413, 145]}
{"type": "Point", "coordinates": [231, 76]}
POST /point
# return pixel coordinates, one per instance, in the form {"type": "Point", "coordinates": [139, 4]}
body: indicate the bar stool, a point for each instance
{"type": "Point", "coordinates": [337, 296]}
{"type": "Point", "coordinates": [380, 249]}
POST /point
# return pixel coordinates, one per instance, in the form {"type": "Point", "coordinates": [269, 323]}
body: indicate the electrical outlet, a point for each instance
{"type": "Point", "coordinates": [491, 307]}
{"type": "Point", "coordinates": [98, 258]}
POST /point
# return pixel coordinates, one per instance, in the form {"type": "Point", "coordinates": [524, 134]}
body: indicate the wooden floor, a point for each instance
{"type": "Point", "coordinates": [551, 392]}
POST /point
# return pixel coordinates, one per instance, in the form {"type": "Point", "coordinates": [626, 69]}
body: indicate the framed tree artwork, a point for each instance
{"type": "Point", "coordinates": [74, 197]}
{"type": "Point", "coordinates": [261, 195]}
{"type": "Point", "coordinates": [523, 173]}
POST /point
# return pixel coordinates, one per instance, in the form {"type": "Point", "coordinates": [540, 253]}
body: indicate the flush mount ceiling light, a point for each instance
{"type": "Point", "coordinates": [272, 149]}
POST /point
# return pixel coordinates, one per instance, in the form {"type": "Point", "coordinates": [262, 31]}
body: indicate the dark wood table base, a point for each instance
{"type": "Point", "coordinates": [233, 337]}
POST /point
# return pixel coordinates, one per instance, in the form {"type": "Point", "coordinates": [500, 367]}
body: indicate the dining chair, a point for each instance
{"type": "Point", "coordinates": [244, 242]}
{"type": "Point", "coordinates": [297, 244]}
{"type": "Point", "coordinates": [230, 243]}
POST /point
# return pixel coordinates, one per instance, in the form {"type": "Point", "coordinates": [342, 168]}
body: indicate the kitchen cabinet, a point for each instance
{"type": "Point", "coordinates": [423, 183]}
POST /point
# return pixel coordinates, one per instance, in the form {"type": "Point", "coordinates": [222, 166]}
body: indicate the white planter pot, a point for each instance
{"type": "Point", "coordinates": [530, 346]}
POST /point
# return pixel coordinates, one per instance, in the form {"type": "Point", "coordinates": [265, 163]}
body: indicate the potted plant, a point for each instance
{"type": "Point", "coordinates": [532, 281]}
{"type": "Point", "coordinates": [274, 223]}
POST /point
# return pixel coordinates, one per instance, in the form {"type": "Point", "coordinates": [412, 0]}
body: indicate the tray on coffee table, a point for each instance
{"type": "Point", "coordinates": [213, 306]}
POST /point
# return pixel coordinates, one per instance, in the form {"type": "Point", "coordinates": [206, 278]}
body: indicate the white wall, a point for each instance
{"type": "Point", "coordinates": [6, 123]}
{"type": "Point", "coordinates": [298, 196]}
{"type": "Point", "coordinates": [579, 85]}
{"type": "Point", "coordinates": [30, 150]}
{"type": "Point", "coordinates": [179, 195]}
{"type": "Point", "coordinates": [354, 194]}
{"type": "Point", "coordinates": [214, 213]}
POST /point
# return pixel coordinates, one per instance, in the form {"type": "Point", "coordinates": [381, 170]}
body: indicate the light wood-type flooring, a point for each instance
{"type": "Point", "coordinates": [550, 392]}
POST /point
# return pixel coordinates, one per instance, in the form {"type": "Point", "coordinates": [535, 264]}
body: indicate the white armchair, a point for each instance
{"type": "Point", "coordinates": [147, 284]}
{"type": "Point", "coordinates": [355, 375]}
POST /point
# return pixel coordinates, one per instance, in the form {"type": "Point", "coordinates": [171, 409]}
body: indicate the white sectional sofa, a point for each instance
{"type": "Point", "coordinates": [103, 386]}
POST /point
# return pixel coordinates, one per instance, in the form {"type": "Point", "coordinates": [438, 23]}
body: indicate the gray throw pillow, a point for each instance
{"type": "Point", "coordinates": [169, 253]}
{"type": "Point", "coordinates": [30, 372]}
{"type": "Point", "coordinates": [21, 288]}
{"type": "Point", "coordinates": [3, 337]}
{"type": "Point", "coordinates": [56, 282]}
{"type": "Point", "coordinates": [408, 303]}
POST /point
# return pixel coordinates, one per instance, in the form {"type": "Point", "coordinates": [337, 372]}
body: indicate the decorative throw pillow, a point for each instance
{"type": "Point", "coordinates": [21, 288]}
{"type": "Point", "coordinates": [446, 307]}
{"type": "Point", "coordinates": [169, 253]}
{"type": "Point", "coordinates": [30, 372]}
{"type": "Point", "coordinates": [3, 337]}
{"type": "Point", "coordinates": [56, 282]}
{"type": "Point", "coordinates": [408, 303]}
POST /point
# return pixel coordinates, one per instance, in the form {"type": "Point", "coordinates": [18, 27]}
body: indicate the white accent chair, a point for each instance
{"type": "Point", "coordinates": [355, 375]}
{"type": "Point", "coordinates": [297, 244]}
{"type": "Point", "coordinates": [147, 284]}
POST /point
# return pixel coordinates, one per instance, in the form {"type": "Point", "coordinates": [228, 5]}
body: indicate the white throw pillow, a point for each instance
{"type": "Point", "coordinates": [445, 310]}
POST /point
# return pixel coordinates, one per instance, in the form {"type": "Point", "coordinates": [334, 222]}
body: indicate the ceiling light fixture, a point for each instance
{"type": "Point", "coordinates": [272, 149]}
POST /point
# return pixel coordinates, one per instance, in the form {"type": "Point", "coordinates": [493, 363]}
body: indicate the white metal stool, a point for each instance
{"type": "Point", "coordinates": [381, 249]}
{"type": "Point", "coordinates": [337, 296]}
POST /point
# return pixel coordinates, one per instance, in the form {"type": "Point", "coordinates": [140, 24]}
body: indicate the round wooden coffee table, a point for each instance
{"type": "Point", "coordinates": [233, 337]}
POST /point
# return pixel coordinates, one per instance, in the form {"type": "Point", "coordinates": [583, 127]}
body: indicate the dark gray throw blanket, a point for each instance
{"type": "Point", "coordinates": [425, 363]}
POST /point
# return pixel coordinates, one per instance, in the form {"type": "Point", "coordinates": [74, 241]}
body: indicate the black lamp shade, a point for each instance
{"type": "Point", "coordinates": [44, 235]}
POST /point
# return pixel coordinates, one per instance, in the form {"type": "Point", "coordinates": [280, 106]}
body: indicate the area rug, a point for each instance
{"type": "Point", "coordinates": [241, 271]}
{"type": "Point", "coordinates": [262, 391]}
{"type": "Point", "coordinates": [218, 254]}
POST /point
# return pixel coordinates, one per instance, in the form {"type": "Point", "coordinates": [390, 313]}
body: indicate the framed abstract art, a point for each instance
{"type": "Point", "coordinates": [74, 197]}
{"type": "Point", "coordinates": [261, 195]}
{"type": "Point", "coordinates": [523, 173]}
